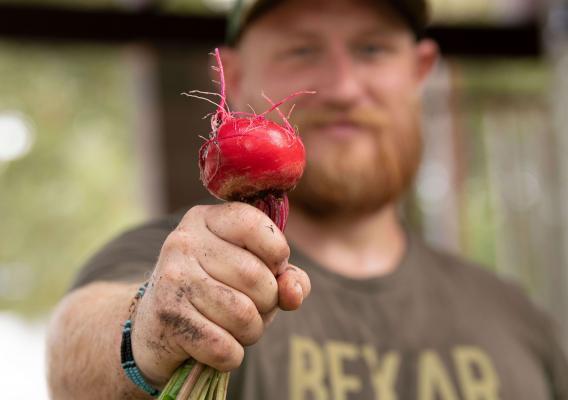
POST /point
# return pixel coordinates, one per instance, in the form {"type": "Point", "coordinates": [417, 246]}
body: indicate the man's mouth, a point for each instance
{"type": "Point", "coordinates": [340, 129]}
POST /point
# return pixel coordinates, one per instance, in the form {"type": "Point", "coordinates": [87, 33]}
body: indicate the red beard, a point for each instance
{"type": "Point", "coordinates": [361, 174]}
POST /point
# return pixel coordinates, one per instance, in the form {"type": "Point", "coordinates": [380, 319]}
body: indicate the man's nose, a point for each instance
{"type": "Point", "coordinates": [341, 85]}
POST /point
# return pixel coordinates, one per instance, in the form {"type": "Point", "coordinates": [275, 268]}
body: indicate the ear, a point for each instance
{"type": "Point", "coordinates": [232, 71]}
{"type": "Point", "coordinates": [427, 54]}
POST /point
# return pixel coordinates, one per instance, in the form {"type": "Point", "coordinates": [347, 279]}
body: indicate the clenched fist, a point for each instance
{"type": "Point", "coordinates": [221, 276]}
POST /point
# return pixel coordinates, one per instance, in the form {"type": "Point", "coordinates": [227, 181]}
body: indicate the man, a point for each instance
{"type": "Point", "coordinates": [388, 318]}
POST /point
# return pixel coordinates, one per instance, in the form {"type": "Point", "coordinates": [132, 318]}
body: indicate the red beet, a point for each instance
{"type": "Point", "coordinates": [250, 158]}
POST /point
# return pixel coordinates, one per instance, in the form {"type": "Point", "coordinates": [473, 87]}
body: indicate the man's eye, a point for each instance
{"type": "Point", "coordinates": [302, 51]}
{"type": "Point", "coordinates": [371, 49]}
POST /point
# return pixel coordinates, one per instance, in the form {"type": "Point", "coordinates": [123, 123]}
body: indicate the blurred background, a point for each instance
{"type": "Point", "coordinates": [95, 137]}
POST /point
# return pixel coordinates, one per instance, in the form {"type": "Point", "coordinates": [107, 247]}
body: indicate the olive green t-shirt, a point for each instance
{"type": "Point", "coordinates": [438, 328]}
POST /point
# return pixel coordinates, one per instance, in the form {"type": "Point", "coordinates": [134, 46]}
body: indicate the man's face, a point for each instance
{"type": "Point", "coordinates": [361, 128]}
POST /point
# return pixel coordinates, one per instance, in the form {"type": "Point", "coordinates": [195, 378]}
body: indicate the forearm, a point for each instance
{"type": "Point", "coordinates": [84, 344]}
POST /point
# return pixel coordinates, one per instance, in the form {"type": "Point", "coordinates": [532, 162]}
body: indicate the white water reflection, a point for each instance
{"type": "Point", "coordinates": [22, 358]}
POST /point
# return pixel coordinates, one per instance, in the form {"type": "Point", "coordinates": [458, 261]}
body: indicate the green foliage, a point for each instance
{"type": "Point", "coordinates": [499, 77]}
{"type": "Point", "coordinates": [76, 188]}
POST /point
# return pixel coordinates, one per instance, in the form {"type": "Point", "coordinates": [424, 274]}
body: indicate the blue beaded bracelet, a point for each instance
{"type": "Point", "coordinates": [127, 358]}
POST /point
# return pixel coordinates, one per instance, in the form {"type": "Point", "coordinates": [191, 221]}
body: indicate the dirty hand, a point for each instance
{"type": "Point", "coordinates": [221, 276]}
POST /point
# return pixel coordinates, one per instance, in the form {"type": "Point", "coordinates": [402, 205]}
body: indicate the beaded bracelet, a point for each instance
{"type": "Point", "coordinates": [126, 357]}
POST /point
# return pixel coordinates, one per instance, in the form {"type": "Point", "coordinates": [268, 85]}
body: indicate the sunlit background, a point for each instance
{"type": "Point", "coordinates": [95, 137]}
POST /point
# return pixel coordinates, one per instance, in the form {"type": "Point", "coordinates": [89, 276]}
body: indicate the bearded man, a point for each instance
{"type": "Point", "coordinates": [388, 317]}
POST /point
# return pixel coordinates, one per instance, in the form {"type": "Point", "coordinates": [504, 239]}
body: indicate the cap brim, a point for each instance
{"type": "Point", "coordinates": [414, 12]}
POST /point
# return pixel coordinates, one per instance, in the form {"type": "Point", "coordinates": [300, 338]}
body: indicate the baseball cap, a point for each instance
{"type": "Point", "coordinates": [244, 12]}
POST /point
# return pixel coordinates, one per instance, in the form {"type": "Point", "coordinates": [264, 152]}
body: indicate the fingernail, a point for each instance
{"type": "Point", "coordinates": [299, 291]}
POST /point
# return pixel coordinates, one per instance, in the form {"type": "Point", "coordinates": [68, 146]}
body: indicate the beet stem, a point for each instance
{"type": "Point", "coordinates": [221, 109]}
{"type": "Point", "coordinates": [276, 207]}
{"type": "Point", "coordinates": [189, 383]}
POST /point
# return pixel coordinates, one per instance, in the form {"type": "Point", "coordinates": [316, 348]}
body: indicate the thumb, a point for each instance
{"type": "Point", "coordinates": [293, 287]}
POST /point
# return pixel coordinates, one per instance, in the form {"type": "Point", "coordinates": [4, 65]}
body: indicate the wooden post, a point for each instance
{"type": "Point", "coordinates": [182, 120]}
{"type": "Point", "coordinates": [557, 40]}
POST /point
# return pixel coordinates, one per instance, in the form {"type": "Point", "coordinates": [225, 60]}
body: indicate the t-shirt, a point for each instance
{"type": "Point", "coordinates": [437, 328]}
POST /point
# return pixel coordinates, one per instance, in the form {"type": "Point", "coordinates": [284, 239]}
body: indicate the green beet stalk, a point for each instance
{"type": "Point", "coordinates": [175, 383]}
{"type": "Point", "coordinates": [213, 386]}
{"type": "Point", "coordinates": [206, 383]}
{"type": "Point", "coordinates": [201, 387]}
{"type": "Point", "coordinates": [222, 386]}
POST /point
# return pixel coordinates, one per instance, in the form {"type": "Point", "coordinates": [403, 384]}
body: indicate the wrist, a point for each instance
{"type": "Point", "coordinates": [127, 360]}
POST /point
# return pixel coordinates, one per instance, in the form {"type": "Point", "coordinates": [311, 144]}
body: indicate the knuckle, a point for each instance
{"type": "Point", "coordinates": [193, 219]}
{"type": "Point", "coordinates": [251, 333]}
{"type": "Point", "coordinates": [249, 273]}
{"type": "Point", "coordinates": [226, 355]}
{"type": "Point", "coordinates": [175, 241]}
{"type": "Point", "coordinates": [193, 213]}
{"type": "Point", "coordinates": [281, 251]}
{"type": "Point", "coordinates": [248, 216]}
{"type": "Point", "coordinates": [250, 337]}
{"type": "Point", "coordinates": [174, 273]}
{"type": "Point", "coordinates": [245, 315]}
